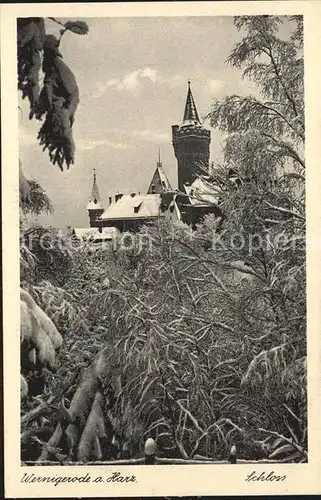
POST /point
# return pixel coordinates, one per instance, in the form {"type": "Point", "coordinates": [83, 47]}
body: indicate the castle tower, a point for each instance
{"type": "Point", "coordinates": [94, 207]}
{"type": "Point", "coordinates": [191, 142]}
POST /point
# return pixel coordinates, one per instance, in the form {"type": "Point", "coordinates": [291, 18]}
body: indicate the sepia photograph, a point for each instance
{"type": "Point", "coordinates": [161, 249]}
{"type": "Point", "coordinates": [162, 240]}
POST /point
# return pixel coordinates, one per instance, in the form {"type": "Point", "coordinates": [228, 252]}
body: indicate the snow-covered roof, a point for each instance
{"type": "Point", "coordinates": [160, 182]}
{"type": "Point", "coordinates": [94, 206]}
{"type": "Point", "coordinates": [138, 206]}
{"type": "Point", "coordinates": [201, 192]}
{"type": "Point", "coordinates": [93, 233]}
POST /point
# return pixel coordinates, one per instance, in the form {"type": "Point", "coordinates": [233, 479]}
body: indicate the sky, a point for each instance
{"type": "Point", "coordinates": [132, 75]}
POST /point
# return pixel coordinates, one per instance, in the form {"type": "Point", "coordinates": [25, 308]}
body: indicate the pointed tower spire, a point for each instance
{"type": "Point", "coordinates": [95, 196]}
{"type": "Point", "coordinates": [191, 142]}
{"type": "Point", "coordinates": [190, 113]}
{"type": "Point", "coordinates": [94, 206]}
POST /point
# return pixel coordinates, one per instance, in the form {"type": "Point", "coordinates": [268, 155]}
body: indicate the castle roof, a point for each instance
{"type": "Point", "coordinates": [191, 116]}
{"type": "Point", "coordinates": [201, 192]}
{"type": "Point", "coordinates": [160, 182]}
{"type": "Point", "coordinates": [93, 234]}
{"type": "Point", "coordinates": [94, 201]}
{"type": "Point", "coordinates": [135, 206]}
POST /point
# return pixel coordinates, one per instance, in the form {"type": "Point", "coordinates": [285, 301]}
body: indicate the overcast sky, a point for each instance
{"type": "Point", "coordinates": [132, 75]}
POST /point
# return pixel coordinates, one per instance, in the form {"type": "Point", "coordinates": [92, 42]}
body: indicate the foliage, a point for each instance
{"type": "Point", "coordinates": [197, 338]}
{"type": "Point", "coordinates": [269, 132]}
{"type": "Point", "coordinates": [38, 333]}
{"type": "Point", "coordinates": [202, 360]}
{"type": "Point", "coordinates": [37, 201]}
{"type": "Point", "coordinates": [59, 96]}
{"type": "Point", "coordinates": [264, 148]}
{"type": "Point", "coordinates": [45, 254]}
{"type": "Point", "coordinates": [45, 258]}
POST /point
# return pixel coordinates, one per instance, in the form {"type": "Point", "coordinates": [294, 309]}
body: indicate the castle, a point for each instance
{"type": "Point", "coordinates": [194, 198]}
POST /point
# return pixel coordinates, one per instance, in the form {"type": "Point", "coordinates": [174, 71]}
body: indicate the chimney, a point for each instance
{"type": "Point", "coordinates": [118, 196]}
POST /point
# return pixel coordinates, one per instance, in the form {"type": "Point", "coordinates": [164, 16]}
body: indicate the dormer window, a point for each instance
{"type": "Point", "coordinates": [95, 201]}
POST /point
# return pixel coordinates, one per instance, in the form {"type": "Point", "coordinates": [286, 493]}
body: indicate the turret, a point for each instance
{"type": "Point", "coordinates": [160, 183]}
{"type": "Point", "coordinates": [191, 142]}
{"type": "Point", "coordinates": [94, 207]}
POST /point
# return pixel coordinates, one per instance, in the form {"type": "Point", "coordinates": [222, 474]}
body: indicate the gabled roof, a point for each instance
{"type": "Point", "coordinates": [94, 201]}
{"type": "Point", "coordinates": [138, 206]}
{"type": "Point", "coordinates": [160, 182]}
{"type": "Point", "coordinates": [201, 192]}
{"type": "Point", "coordinates": [191, 116]}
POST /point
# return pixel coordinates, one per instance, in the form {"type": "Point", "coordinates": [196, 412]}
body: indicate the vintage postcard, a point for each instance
{"type": "Point", "coordinates": [161, 248]}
